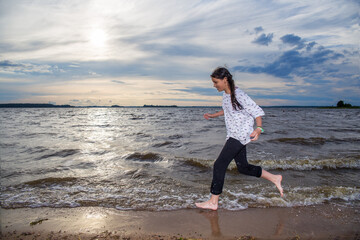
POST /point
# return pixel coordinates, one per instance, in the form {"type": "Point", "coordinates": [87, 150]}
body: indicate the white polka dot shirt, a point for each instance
{"type": "Point", "coordinates": [240, 123]}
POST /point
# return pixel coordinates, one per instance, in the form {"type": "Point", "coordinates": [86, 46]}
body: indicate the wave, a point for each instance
{"type": "Point", "coordinates": [82, 126]}
{"type": "Point", "coordinates": [38, 149]}
{"type": "Point", "coordinates": [300, 141]}
{"type": "Point", "coordinates": [176, 136]}
{"type": "Point", "coordinates": [310, 164]}
{"type": "Point", "coordinates": [287, 164]}
{"type": "Point", "coordinates": [149, 157]}
{"type": "Point", "coordinates": [134, 117]}
{"type": "Point", "coordinates": [63, 153]}
{"type": "Point", "coordinates": [342, 130]}
{"type": "Point", "coordinates": [8, 145]}
{"type": "Point", "coordinates": [143, 135]}
{"type": "Point", "coordinates": [142, 198]}
{"type": "Point", "coordinates": [313, 141]}
{"type": "Point", "coordinates": [34, 172]}
{"type": "Point", "coordinates": [199, 163]}
{"type": "Point", "coordinates": [162, 144]}
{"type": "Point", "coordinates": [37, 134]}
{"type": "Point", "coordinates": [136, 173]}
{"type": "Point", "coordinates": [51, 181]}
{"type": "Point", "coordinates": [298, 196]}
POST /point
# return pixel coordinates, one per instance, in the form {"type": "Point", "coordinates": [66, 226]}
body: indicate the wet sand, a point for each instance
{"type": "Point", "coordinates": [312, 222]}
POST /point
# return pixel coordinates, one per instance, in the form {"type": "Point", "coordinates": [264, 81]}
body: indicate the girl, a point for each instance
{"type": "Point", "coordinates": [240, 111]}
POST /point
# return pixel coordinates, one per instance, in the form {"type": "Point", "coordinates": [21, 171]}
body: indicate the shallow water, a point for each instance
{"type": "Point", "coordinates": [161, 158]}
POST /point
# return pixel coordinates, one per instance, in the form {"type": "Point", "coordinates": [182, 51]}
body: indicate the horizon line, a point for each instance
{"type": "Point", "coordinates": [155, 106]}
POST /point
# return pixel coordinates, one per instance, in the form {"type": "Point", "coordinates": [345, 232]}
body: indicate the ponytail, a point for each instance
{"type": "Point", "coordinates": [221, 73]}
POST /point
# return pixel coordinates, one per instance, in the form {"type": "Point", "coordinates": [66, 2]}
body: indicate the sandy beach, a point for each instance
{"type": "Point", "coordinates": [312, 222]}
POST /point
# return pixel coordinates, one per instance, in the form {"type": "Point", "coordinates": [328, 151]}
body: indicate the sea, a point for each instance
{"type": "Point", "coordinates": [160, 159]}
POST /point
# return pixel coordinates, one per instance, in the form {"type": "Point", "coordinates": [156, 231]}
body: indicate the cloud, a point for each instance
{"type": "Point", "coordinates": [7, 63]}
{"type": "Point", "coordinates": [258, 29]}
{"type": "Point", "coordinates": [171, 45]}
{"type": "Point", "coordinates": [179, 49]}
{"type": "Point", "coordinates": [9, 67]}
{"type": "Point", "coordinates": [84, 102]}
{"type": "Point", "coordinates": [294, 40]}
{"type": "Point", "coordinates": [295, 97]}
{"type": "Point", "coordinates": [7, 95]}
{"type": "Point", "coordinates": [188, 100]}
{"type": "Point", "coordinates": [316, 74]}
{"type": "Point", "coordinates": [200, 91]}
{"type": "Point", "coordinates": [296, 62]}
{"type": "Point", "coordinates": [264, 39]}
{"type": "Point", "coordinates": [117, 81]}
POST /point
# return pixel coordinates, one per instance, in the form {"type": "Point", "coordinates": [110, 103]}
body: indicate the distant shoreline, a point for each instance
{"type": "Point", "coordinates": [33, 105]}
{"type": "Point", "coordinates": [340, 107]}
{"type": "Point", "coordinates": [45, 105]}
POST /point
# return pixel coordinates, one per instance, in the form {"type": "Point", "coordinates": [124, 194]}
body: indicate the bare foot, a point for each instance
{"type": "Point", "coordinates": [276, 179]}
{"type": "Point", "coordinates": [207, 205]}
{"type": "Point", "coordinates": [278, 184]}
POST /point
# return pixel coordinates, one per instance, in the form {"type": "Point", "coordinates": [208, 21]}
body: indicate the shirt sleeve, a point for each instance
{"type": "Point", "coordinates": [248, 104]}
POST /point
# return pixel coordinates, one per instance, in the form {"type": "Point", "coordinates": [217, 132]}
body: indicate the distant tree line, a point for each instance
{"type": "Point", "coordinates": [341, 104]}
{"type": "Point", "coordinates": [158, 106]}
{"type": "Point", "coordinates": [32, 105]}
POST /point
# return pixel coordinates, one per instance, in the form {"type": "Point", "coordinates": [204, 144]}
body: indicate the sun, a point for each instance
{"type": "Point", "coordinates": [98, 38]}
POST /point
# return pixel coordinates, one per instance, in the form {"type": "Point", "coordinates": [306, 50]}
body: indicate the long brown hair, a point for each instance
{"type": "Point", "coordinates": [221, 73]}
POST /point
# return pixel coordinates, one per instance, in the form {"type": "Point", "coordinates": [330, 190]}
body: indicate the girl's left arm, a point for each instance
{"type": "Point", "coordinates": [256, 133]}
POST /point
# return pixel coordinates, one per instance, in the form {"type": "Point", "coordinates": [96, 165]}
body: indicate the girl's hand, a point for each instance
{"type": "Point", "coordinates": [255, 134]}
{"type": "Point", "coordinates": [207, 116]}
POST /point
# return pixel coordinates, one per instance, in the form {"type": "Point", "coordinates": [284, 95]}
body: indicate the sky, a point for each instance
{"type": "Point", "coordinates": [162, 52]}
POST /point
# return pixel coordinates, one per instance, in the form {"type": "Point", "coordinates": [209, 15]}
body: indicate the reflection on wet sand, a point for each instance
{"type": "Point", "coordinates": [276, 222]}
{"type": "Point", "coordinates": [213, 218]}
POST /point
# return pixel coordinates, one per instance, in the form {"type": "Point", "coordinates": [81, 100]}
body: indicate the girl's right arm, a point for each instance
{"type": "Point", "coordinates": [214, 115]}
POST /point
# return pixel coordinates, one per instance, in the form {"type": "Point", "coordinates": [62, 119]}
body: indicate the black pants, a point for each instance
{"type": "Point", "coordinates": [233, 149]}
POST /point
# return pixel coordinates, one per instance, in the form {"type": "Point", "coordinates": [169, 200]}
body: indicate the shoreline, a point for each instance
{"type": "Point", "coordinates": [325, 221]}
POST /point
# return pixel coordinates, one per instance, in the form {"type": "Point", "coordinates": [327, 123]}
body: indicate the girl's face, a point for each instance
{"type": "Point", "coordinates": [220, 84]}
